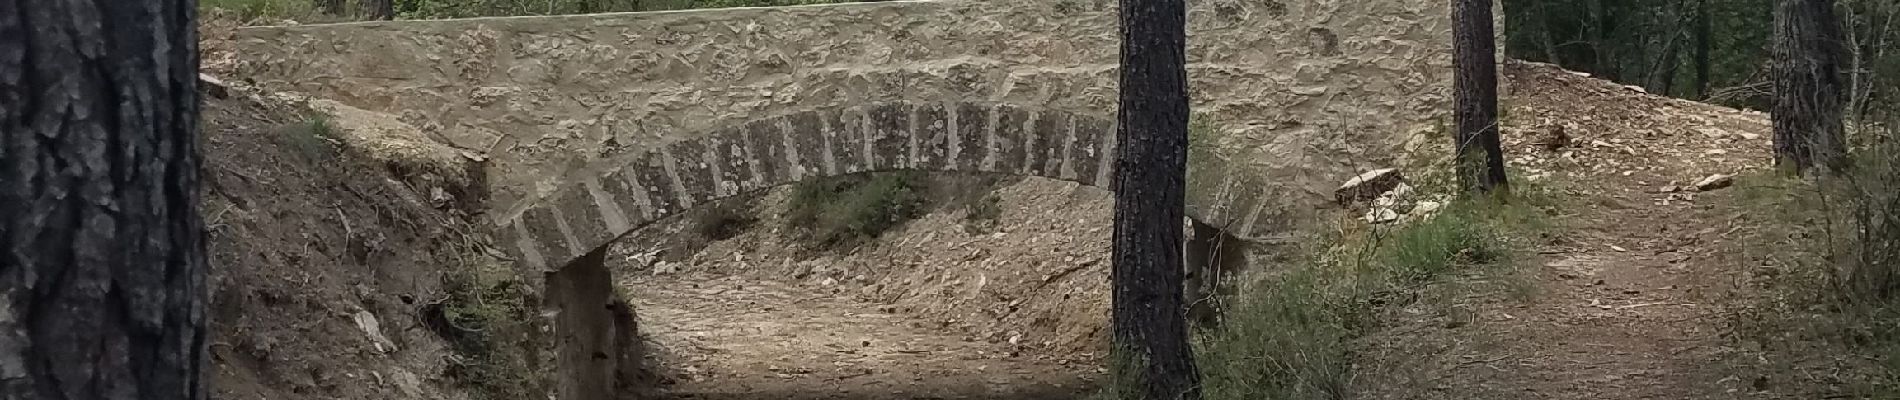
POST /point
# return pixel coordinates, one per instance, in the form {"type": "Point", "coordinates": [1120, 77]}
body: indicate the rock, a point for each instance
{"type": "Point", "coordinates": [1555, 138]}
{"type": "Point", "coordinates": [213, 86]}
{"type": "Point", "coordinates": [1400, 190]}
{"type": "Point", "coordinates": [374, 330]}
{"type": "Point", "coordinates": [1714, 182]}
{"type": "Point", "coordinates": [1426, 207]}
{"type": "Point", "coordinates": [1367, 185]}
{"type": "Point", "coordinates": [1381, 215]}
{"type": "Point", "coordinates": [1749, 136]}
{"type": "Point", "coordinates": [665, 267]}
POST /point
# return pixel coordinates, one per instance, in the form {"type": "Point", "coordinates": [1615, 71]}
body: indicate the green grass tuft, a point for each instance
{"type": "Point", "coordinates": [315, 138]}
{"type": "Point", "coordinates": [1290, 337]}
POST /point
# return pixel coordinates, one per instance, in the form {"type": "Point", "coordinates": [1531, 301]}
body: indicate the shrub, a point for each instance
{"type": "Point", "coordinates": [485, 316]}
{"type": "Point", "coordinates": [315, 138]}
{"type": "Point", "coordinates": [724, 219]}
{"type": "Point", "coordinates": [846, 210]}
{"type": "Point", "coordinates": [1290, 337]}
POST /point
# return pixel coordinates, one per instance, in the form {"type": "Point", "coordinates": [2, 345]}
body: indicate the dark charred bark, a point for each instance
{"type": "Point", "coordinates": [1810, 94]}
{"type": "Point", "coordinates": [1150, 326]}
{"type": "Point", "coordinates": [1480, 157]}
{"type": "Point", "coordinates": [102, 255]}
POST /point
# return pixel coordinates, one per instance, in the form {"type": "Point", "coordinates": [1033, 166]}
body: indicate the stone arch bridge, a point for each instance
{"type": "Point", "coordinates": [767, 152]}
{"type": "Point", "coordinates": [593, 125]}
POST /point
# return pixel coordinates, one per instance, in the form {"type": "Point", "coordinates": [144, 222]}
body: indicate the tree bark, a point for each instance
{"type": "Point", "coordinates": [329, 7]}
{"type": "Point", "coordinates": [381, 9]}
{"type": "Point", "coordinates": [1150, 185]}
{"type": "Point", "coordinates": [1480, 157]}
{"type": "Point", "coordinates": [1808, 88]}
{"type": "Point", "coordinates": [102, 256]}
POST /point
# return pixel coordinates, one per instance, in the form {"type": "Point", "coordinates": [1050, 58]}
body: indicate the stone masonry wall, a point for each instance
{"type": "Point", "coordinates": [1300, 92]}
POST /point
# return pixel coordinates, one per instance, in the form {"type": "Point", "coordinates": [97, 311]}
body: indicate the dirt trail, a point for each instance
{"type": "Point", "coordinates": [749, 338]}
{"type": "Point", "coordinates": [1624, 297]}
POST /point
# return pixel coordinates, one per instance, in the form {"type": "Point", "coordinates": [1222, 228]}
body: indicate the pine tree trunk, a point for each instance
{"type": "Point", "coordinates": [1480, 157]}
{"type": "Point", "coordinates": [1150, 185]}
{"type": "Point", "coordinates": [1809, 92]}
{"type": "Point", "coordinates": [102, 255]}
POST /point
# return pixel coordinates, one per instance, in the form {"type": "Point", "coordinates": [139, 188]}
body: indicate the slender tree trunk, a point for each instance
{"type": "Point", "coordinates": [1480, 157]}
{"type": "Point", "coordinates": [102, 260]}
{"type": "Point", "coordinates": [1605, 38]}
{"type": "Point", "coordinates": [381, 9]}
{"type": "Point", "coordinates": [1150, 326]}
{"type": "Point", "coordinates": [1665, 68]}
{"type": "Point", "coordinates": [1809, 91]}
{"type": "Point", "coordinates": [1547, 33]}
{"type": "Point", "coordinates": [1704, 28]}
{"type": "Point", "coordinates": [330, 7]}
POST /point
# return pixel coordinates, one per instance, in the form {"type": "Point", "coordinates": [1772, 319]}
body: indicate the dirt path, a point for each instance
{"type": "Point", "coordinates": [1624, 299]}
{"type": "Point", "coordinates": [746, 338]}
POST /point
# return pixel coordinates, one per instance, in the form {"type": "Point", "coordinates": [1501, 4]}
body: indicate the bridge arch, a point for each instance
{"type": "Point", "coordinates": [633, 191]}
{"type": "Point", "coordinates": [561, 239]}
{"type": "Point", "coordinates": [761, 153]}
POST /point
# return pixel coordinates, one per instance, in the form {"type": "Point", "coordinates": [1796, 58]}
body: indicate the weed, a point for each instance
{"type": "Point", "coordinates": [1124, 377]}
{"type": "Point", "coordinates": [724, 219]}
{"type": "Point", "coordinates": [981, 216]}
{"type": "Point", "coordinates": [258, 10]}
{"type": "Point", "coordinates": [484, 315]}
{"type": "Point", "coordinates": [847, 210]}
{"type": "Point", "coordinates": [1290, 337]}
{"type": "Point", "coordinates": [1828, 257]}
{"type": "Point", "coordinates": [314, 139]}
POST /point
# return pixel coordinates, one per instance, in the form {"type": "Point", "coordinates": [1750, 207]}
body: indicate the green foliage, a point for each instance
{"type": "Point", "coordinates": [847, 210]}
{"type": "Point", "coordinates": [484, 315]}
{"type": "Point", "coordinates": [315, 138]}
{"type": "Point", "coordinates": [254, 10]}
{"type": "Point", "coordinates": [1827, 253]}
{"type": "Point", "coordinates": [1655, 44]}
{"type": "Point", "coordinates": [1291, 337]}
{"type": "Point", "coordinates": [1124, 377]}
{"type": "Point", "coordinates": [1844, 227]}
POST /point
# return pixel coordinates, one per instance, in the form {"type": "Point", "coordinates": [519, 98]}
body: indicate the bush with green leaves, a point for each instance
{"type": "Point", "coordinates": [485, 316]}
{"type": "Point", "coordinates": [847, 210]}
{"type": "Point", "coordinates": [1290, 336]}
